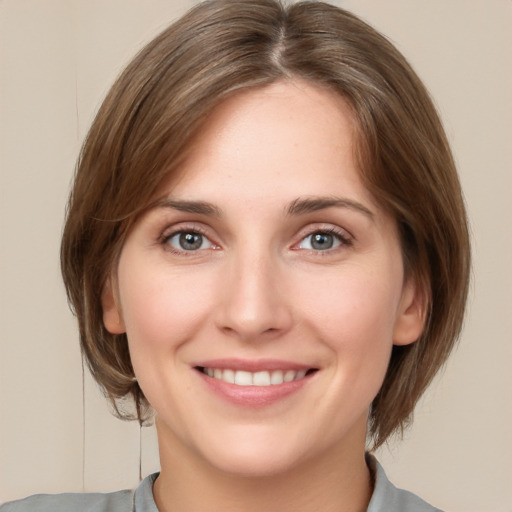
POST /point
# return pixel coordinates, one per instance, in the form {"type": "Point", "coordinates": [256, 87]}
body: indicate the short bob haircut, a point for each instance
{"type": "Point", "coordinates": [220, 47]}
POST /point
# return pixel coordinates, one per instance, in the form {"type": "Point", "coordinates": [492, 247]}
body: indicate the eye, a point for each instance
{"type": "Point", "coordinates": [188, 241]}
{"type": "Point", "coordinates": [323, 241]}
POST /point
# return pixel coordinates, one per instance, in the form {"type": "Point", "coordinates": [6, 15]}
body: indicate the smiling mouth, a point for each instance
{"type": "Point", "coordinates": [260, 378]}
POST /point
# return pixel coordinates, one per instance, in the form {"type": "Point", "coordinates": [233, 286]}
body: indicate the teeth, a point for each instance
{"type": "Point", "coordinates": [276, 377]}
{"type": "Point", "coordinates": [261, 379]}
{"type": "Point", "coordinates": [228, 376]}
{"type": "Point", "coordinates": [264, 378]}
{"type": "Point", "coordinates": [289, 376]}
{"type": "Point", "coordinates": [300, 374]}
{"type": "Point", "coordinates": [243, 378]}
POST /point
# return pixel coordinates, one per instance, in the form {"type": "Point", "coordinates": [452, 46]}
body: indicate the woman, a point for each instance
{"type": "Point", "coordinates": [248, 258]}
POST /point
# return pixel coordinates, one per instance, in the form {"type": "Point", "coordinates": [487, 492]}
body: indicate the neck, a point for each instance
{"type": "Point", "coordinates": [338, 481]}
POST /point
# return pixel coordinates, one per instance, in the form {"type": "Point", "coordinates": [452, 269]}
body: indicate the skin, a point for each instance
{"type": "Point", "coordinates": [256, 288]}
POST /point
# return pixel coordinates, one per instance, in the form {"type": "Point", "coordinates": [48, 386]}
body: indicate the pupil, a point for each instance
{"type": "Point", "coordinates": [322, 241]}
{"type": "Point", "coordinates": [190, 241]}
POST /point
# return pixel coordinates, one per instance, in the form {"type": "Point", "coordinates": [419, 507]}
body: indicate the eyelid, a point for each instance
{"type": "Point", "coordinates": [345, 238]}
{"type": "Point", "coordinates": [170, 231]}
{"type": "Point", "coordinates": [175, 229]}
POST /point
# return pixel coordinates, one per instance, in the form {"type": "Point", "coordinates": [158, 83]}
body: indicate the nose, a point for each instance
{"type": "Point", "coordinates": [254, 301]}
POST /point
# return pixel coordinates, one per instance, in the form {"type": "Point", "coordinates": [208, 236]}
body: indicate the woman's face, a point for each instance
{"type": "Point", "coordinates": [263, 293]}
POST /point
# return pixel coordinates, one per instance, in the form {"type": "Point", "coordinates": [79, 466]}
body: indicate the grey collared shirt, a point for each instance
{"type": "Point", "coordinates": [385, 498]}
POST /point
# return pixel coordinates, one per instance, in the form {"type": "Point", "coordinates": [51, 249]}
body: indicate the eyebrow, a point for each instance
{"type": "Point", "coordinates": [200, 207]}
{"type": "Point", "coordinates": [301, 206]}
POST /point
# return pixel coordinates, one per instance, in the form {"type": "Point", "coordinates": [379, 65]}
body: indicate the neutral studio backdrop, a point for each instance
{"type": "Point", "coordinates": [57, 60]}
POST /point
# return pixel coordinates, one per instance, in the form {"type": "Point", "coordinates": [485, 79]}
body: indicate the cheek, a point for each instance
{"type": "Point", "coordinates": [354, 314]}
{"type": "Point", "coordinates": [354, 303]}
{"type": "Point", "coordinates": [161, 309]}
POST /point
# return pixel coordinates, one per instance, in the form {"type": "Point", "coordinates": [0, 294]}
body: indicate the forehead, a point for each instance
{"type": "Point", "coordinates": [291, 137]}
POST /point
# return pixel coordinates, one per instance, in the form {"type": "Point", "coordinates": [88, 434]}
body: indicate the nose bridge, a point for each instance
{"type": "Point", "coordinates": [253, 301]}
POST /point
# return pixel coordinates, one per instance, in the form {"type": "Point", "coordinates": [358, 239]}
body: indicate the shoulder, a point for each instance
{"type": "Point", "coordinates": [388, 497]}
{"type": "Point", "coordinates": [90, 502]}
{"type": "Point", "coordinates": [140, 500]}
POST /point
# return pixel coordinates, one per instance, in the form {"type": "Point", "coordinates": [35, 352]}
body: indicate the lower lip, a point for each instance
{"type": "Point", "coordinates": [253, 396]}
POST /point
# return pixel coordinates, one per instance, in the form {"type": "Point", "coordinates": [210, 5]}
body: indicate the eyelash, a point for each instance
{"type": "Point", "coordinates": [167, 237]}
{"type": "Point", "coordinates": [338, 234]}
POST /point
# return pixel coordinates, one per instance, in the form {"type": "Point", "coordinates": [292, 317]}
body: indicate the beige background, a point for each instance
{"type": "Point", "coordinates": [57, 59]}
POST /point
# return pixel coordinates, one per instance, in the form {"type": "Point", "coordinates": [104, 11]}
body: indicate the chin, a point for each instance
{"type": "Point", "coordinates": [253, 453]}
{"type": "Point", "coordinates": [250, 464]}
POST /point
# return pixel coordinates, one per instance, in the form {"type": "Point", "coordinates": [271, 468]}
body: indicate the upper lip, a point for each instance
{"type": "Point", "coordinates": [252, 365]}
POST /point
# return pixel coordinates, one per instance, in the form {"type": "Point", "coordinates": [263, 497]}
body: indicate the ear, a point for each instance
{"type": "Point", "coordinates": [412, 313]}
{"type": "Point", "coordinates": [112, 318]}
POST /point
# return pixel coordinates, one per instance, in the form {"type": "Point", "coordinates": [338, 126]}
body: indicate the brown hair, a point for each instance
{"type": "Point", "coordinates": [140, 135]}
